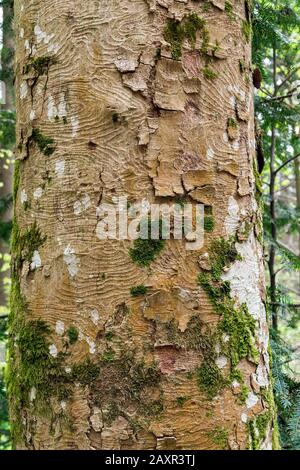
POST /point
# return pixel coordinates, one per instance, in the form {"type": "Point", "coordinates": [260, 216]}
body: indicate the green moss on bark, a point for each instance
{"type": "Point", "coordinates": [144, 251]}
{"type": "Point", "coordinates": [176, 32]}
{"type": "Point", "coordinates": [219, 436]}
{"type": "Point", "coordinates": [209, 223]}
{"type": "Point", "coordinates": [17, 176]}
{"type": "Point", "coordinates": [73, 334]}
{"type": "Point", "coordinates": [40, 65]}
{"type": "Point", "coordinates": [229, 10]}
{"type": "Point", "coordinates": [138, 291]}
{"type": "Point", "coordinates": [209, 74]}
{"type": "Point", "coordinates": [25, 243]}
{"type": "Point", "coordinates": [235, 321]}
{"type": "Point", "coordinates": [45, 144]}
{"type": "Point", "coordinates": [85, 372]}
{"type": "Point", "coordinates": [247, 30]}
{"type": "Point", "coordinates": [258, 428]}
{"type": "Point", "coordinates": [210, 379]}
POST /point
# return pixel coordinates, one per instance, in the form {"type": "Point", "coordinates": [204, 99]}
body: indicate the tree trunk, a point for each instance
{"type": "Point", "coordinates": [116, 344]}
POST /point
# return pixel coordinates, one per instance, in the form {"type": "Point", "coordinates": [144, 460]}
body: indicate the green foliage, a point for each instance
{"type": "Point", "coordinates": [273, 23]}
{"type": "Point", "coordinates": [5, 227]}
{"type": "Point", "coordinates": [7, 52]}
{"type": "Point", "coordinates": [7, 129]}
{"type": "Point", "coordinates": [276, 29]}
{"type": "Point", "coordinates": [287, 393]}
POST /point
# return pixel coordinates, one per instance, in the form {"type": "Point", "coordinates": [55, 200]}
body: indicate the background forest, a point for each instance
{"type": "Point", "coordinates": [276, 77]}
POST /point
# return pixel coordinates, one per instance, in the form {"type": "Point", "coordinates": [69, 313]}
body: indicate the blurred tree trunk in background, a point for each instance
{"type": "Point", "coordinates": [136, 345]}
{"type": "Point", "coordinates": [6, 165]}
{"type": "Point", "coordinates": [297, 184]}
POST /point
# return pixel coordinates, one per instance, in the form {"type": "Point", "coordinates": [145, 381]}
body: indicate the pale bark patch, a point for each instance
{"type": "Point", "coordinates": [232, 219]}
{"type": "Point", "coordinates": [71, 261]}
{"type": "Point", "coordinates": [36, 261]}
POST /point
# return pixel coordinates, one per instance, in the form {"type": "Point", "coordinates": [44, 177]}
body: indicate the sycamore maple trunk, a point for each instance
{"type": "Point", "coordinates": [150, 100]}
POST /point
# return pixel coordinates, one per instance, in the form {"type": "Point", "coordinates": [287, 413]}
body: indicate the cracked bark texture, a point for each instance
{"type": "Point", "coordinates": [125, 118]}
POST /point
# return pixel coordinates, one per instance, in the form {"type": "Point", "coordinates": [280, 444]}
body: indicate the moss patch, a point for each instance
{"type": "Point", "coordinates": [17, 176]}
{"type": "Point", "coordinates": [210, 379]}
{"type": "Point", "coordinates": [235, 322]}
{"type": "Point", "coordinates": [240, 327]}
{"type": "Point", "coordinates": [209, 74]}
{"type": "Point", "coordinates": [108, 356]}
{"type": "Point", "coordinates": [24, 244]}
{"type": "Point", "coordinates": [209, 223]}
{"type": "Point", "coordinates": [109, 336]}
{"type": "Point", "coordinates": [194, 337]}
{"type": "Point", "coordinates": [242, 65]}
{"type": "Point", "coordinates": [138, 291]}
{"type": "Point", "coordinates": [32, 368]}
{"type": "Point", "coordinates": [144, 251]}
{"type": "Point", "coordinates": [219, 436]}
{"type": "Point", "coordinates": [40, 65]}
{"type": "Point", "coordinates": [257, 429]}
{"type": "Point", "coordinates": [247, 30]}
{"type": "Point", "coordinates": [231, 122]}
{"type": "Point", "coordinates": [229, 10]}
{"type": "Point", "coordinates": [131, 383]}
{"type": "Point", "coordinates": [72, 334]}
{"type": "Point", "coordinates": [45, 144]}
{"type": "Point", "coordinates": [180, 401]}
{"type": "Point", "coordinates": [176, 32]}
{"type": "Point", "coordinates": [85, 372]}
{"type": "Point", "coordinates": [258, 184]}
{"type": "Point", "coordinates": [243, 394]}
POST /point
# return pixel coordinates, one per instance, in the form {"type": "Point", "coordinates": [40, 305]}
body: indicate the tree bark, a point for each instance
{"type": "Point", "coordinates": [141, 99]}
